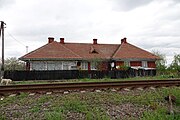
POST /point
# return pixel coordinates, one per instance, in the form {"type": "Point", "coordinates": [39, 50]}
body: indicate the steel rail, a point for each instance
{"type": "Point", "coordinates": [75, 83]}
{"type": "Point", "coordinates": [87, 85]}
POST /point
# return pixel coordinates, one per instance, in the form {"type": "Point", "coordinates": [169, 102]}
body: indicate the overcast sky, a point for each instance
{"type": "Point", "coordinates": [148, 24]}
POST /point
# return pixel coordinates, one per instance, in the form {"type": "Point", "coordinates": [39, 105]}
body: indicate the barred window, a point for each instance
{"type": "Point", "coordinates": [144, 64]}
{"type": "Point", "coordinates": [84, 65]}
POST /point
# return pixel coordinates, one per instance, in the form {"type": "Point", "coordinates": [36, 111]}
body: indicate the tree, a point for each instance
{"type": "Point", "coordinates": [161, 63]}
{"type": "Point", "coordinates": [13, 63]}
{"type": "Point", "coordinates": [99, 64]}
{"type": "Point", "coordinates": [175, 65]}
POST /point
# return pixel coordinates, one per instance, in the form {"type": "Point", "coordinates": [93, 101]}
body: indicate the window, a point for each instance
{"type": "Point", "coordinates": [50, 65]}
{"type": "Point", "coordinates": [84, 66]}
{"type": "Point", "coordinates": [65, 65]}
{"type": "Point", "coordinates": [58, 65]}
{"type": "Point", "coordinates": [37, 65]}
{"type": "Point", "coordinates": [93, 65]}
{"type": "Point", "coordinates": [127, 63]}
{"type": "Point", "coordinates": [144, 64]}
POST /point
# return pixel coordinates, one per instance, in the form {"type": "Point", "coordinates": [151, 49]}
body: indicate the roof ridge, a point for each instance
{"type": "Point", "coordinates": [115, 52]}
{"type": "Point", "coordinates": [70, 50]}
{"type": "Point", "coordinates": [90, 43]}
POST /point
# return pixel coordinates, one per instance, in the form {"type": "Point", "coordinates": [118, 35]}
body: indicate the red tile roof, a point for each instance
{"type": "Point", "coordinates": [129, 51]}
{"type": "Point", "coordinates": [84, 51]}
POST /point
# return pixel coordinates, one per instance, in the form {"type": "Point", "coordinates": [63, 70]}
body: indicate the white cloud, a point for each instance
{"type": "Point", "coordinates": [149, 24]}
{"type": "Point", "coordinates": [126, 5]}
{"type": "Point", "coordinates": [6, 3]}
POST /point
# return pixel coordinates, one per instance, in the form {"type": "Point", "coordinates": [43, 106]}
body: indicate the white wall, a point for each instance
{"type": "Point", "coordinates": [52, 65]}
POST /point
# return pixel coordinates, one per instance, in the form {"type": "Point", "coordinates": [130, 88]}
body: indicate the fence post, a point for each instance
{"type": "Point", "coordinates": [170, 99]}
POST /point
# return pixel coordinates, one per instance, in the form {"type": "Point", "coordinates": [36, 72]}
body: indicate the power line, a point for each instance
{"type": "Point", "coordinates": [18, 41]}
{"type": "Point", "coordinates": [15, 39]}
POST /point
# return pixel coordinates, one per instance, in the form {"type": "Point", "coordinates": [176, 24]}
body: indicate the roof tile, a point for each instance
{"type": "Point", "coordinates": [129, 51]}
{"type": "Point", "coordinates": [56, 50]}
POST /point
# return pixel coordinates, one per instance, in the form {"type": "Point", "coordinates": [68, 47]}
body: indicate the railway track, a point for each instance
{"type": "Point", "coordinates": [86, 85]}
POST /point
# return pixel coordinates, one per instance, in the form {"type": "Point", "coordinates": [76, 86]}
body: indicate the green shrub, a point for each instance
{"type": "Point", "coordinates": [54, 116]}
{"type": "Point", "coordinates": [75, 106]}
{"type": "Point", "coordinates": [160, 114]}
{"type": "Point", "coordinates": [2, 117]}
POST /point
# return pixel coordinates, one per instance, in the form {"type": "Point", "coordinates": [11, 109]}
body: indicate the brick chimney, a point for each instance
{"type": "Point", "coordinates": [94, 41]}
{"type": "Point", "coordinates": [124, 40]}
{"type": "Point", "coordinates": [50, 39]}
{"type": "Point", "coordinates": [62, 40]}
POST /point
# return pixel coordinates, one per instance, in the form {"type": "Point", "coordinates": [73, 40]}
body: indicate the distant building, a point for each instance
{"type": "Point", "coordinates": [85, 56]}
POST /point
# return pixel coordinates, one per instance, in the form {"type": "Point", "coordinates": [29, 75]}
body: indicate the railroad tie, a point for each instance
{"type": "Point", "coordinates": [83, 91]}
{"type": "Point", "coordinates": [31, 94]}
{"type": "Point", "coordinates": [12, 95]}
{"type": "Point", "coordinates": [66, 92]}
{"type": "Point", "coordinates": [48, 93]}
{"type": "Point", "coordinates": [140, 89]}
{"type": "Point", "coordinates": [113, 90]}
{"type": "Point", "coordinates": [126, 89]}
{"type": "Point", "coordinates": [163, 87]}
{"type": "Point", "coordinates": [98, 90]}
{"type": "Point", "coordinates": [152, 88]}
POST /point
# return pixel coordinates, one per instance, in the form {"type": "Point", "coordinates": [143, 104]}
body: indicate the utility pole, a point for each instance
{"type": "Point", "coordinates": [2, 29]}
{"type": "Point", "coordinates": [26, 49]}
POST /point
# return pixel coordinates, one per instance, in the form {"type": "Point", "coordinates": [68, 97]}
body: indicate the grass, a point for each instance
{"type": "Point", "coordinates": [10, 100]}
{"type": "Point", "coordinates": [36, 108]}
{"type": "Point", "coordinates": [89, 105]}
{"type": "Point", "coordinates": [160, 114]}
{"type": "Point", "coordinates": [92, 105]}
{"type": "Point", "coordinates": [97, 114]}
{"type": "Point", "coordinates": [57, 115]}
{"type": "Point", "coordinates": [75, 106]}
{"type": "Point", "coordinates": [92, 80]}
{"type": "Point", "coordinates": [31, 82]}
{"type": "Point", "coordinates": [2, 117]}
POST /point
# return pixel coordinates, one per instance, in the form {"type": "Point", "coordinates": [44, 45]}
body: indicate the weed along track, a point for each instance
{"type": "Point", "coordinates": [138, 100]}
{"type": "Point", "coordinates": [86, 85]}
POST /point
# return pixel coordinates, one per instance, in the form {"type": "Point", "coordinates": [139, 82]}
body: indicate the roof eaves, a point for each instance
{"type": "Point", "coordinates": [56, 59]}
{"type": "Point", "coordinates": [134, 59]}
{"type": "Point", "coordinates": [47, 59]}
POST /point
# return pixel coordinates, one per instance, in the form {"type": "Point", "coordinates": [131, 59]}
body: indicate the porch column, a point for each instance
{"type": "Point", "coordinates": [28, 66]}
{"type": "Point", "coordinates": [89, 66]}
